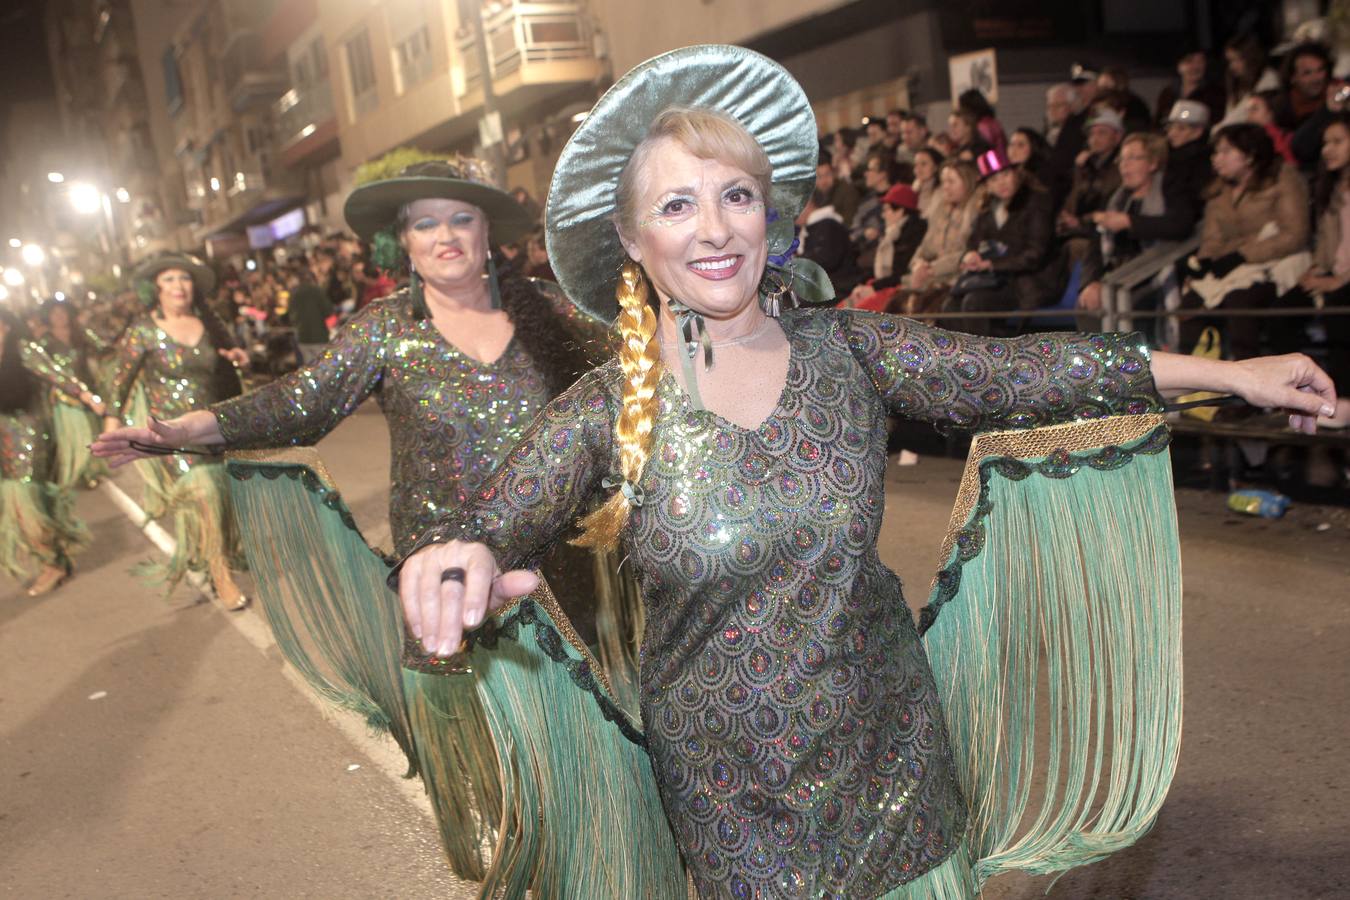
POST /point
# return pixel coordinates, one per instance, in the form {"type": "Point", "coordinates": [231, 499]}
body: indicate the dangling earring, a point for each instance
{"type": "Point", "coordinates": [419, 301]}
{"type": "Point", "coordinates": [772, 293]}
{"type": "Point", "coordinates": [494, 287]}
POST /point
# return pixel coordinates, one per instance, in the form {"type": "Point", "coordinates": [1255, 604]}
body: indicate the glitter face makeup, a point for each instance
{"type": "Point", "coordinates": [447, 242]}
{"type": "Point", "coordinates": [701, 237]}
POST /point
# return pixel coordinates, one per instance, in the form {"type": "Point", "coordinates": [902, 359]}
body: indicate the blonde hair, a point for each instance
{"type": "Point", "coordinates": [1155, 146]}
{"type": "Point", "coordinates": [640, 360]}
{"type": "Point", "coordinates": [707, 134]}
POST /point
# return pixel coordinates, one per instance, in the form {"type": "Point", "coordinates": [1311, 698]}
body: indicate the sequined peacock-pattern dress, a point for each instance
{"type": "Point", "coordinates": [451, 418]}
{"type": "Point", "coordinates": [790, 712]}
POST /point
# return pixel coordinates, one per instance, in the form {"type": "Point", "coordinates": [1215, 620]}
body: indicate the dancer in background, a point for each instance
{"type": "Point", "coordinates": [37, 517]}
{"type": "Point", "coordinates": [76, 349]}
{"type": "Point", "coordinates": [177, 356]}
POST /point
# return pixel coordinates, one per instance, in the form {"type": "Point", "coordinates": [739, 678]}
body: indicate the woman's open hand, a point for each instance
{"type": "Point", "coordinates": [114, 444]}
{"type": "Point", "coordinates": [1292, 382]}
{"type": "Point", "coordinates": [448, 589]}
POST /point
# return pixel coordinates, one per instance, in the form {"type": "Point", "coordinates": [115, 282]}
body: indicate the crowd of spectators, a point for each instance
{"type": "Point", "coordinates": [972, 220]}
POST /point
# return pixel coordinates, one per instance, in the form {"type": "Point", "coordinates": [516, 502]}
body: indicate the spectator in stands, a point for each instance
{"type": "Point", "coordinates": [1138, 215]}
{"type": "Point", "coordinates": [943, 144]}
{"type": "Point", "coordinates": [309, 312]}
{"type": "Point", "coordinates": [1329, 277]}
{"type": "Point", "coordinates": [913, 134]}
{"type": "Point", "coordinates": [1193, 83]}
{"type": "Point", "coordinates": [839, 193]}
{"type": "Point", "coordinates": [531, 206]}
{"type": "Point", "coordinates": [963, 130]}
{"type": "Point", "coordinates": [1246, 74]}
{"type": "Point", "coordinates": [842, 145]}
{"type": "Point", "coordinates": [987, 126]}
{"type": "Point", "coordinates": [823, 238]}
{"type": "Point", "coordinates": [874, 135]}
{"type": "Point", "coordinates": [1083, 78]}
{"type": "Point", "coordinates": [1096, 176]}
{"type": "Point", "coordinates": [1065, 121]}
{"type": "Point", "coordinates": [1188, 167]}
{"type": "Point", "coordinates": [1008, 261]}
{"type": "Point", "coordinates": [1306, 142]}
{"type": "Point", "coordinates": [536, 257]}
{"type": "Point", "coordinates": [374, 282]}
{"type": "Point", "coordinates": [927, 166]}
{"type": "Point", "coordinates": [904, 231]}
{"type": "Point", "coordinates": [1255, 228]}
{"type": "Point", "coordinates": [1261, 111]}
{"type": "Point", "coordinates": [1061, 102]}
{"type": "Point", "coordinates": [937, 262]}
{"type": "Point", "coordinates": [894, 138]}
{"type": "Point", "coordinates": [1026, 148]}
{"type": "Point", "coordinates": [1115, 81]}
{"type": "Point", "coordinates": [1307, 71]}
{"type": "Point", "coordinates": [867, 225]}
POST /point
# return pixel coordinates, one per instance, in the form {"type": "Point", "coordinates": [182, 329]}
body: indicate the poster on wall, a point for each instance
{"type": "Point", "coordinates": [978, 70]}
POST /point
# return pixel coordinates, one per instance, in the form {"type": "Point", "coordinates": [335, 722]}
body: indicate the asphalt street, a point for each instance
{"type": "Point", "coordinates": [156, 746]}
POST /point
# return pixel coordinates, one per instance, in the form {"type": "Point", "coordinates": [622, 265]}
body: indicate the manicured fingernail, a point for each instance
{"type": "Point", "coordinates": [471, 617]}
{"type": "Point", "coordinates": [446, 649]}
{"type": "Point", "coordinates": [1328, 411]}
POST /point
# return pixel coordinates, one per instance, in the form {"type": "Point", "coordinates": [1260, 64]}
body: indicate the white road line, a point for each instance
{"type": "Point", "coordinates": [380, 748]}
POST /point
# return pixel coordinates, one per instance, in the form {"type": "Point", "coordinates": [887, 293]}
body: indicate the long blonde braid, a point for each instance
{"type": "Point", "coordinates": [640, 359]}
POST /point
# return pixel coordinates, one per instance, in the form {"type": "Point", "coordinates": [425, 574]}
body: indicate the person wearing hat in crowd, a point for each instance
{"type": "Point", "coordinates": [1189, 169]}
{"type": "Point", "coordinates": [461, 361]}
{"type": "Point", "coordinates": [177, 356]}
{"type": "Point", "coordinates": [797, 742]}
{"type": "Point", "coordinates": [903, 232]}
{"type": "Point", "coordinates": [1008, 260]}
{"type": "Point", "coordinates": [1095, 177]}
{"type": "Point", "coordinates": [37, 515]}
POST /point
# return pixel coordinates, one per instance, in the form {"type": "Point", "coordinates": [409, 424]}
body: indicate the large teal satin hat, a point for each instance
{"type": "Point", "coordinates": [203, 276]}
{"type": "Point", "coordinates": [374, 206]}
{"type": "Point", "coordinates": [583, 246]}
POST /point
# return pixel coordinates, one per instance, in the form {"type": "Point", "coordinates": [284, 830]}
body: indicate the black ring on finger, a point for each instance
{"type": "Point", "coordinates": [454, 573]}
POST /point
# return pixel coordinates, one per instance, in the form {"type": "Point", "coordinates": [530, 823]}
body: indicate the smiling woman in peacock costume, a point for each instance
{"type": "Point", "coordinates": [175, 357]}
{"type": "Point", "coordinates": [805, 739]}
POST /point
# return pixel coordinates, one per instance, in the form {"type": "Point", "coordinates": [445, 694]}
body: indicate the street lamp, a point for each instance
{"type": "Point", "coordinates": [4, 292]}
{"type": "Point", "coordinates": [85, 198]}
{"type": "Point", "coordinates": [55, 177]}
{"type": "Point", "coordinates": [13, 277]}
{"type": "Point", "coordinates": [123, 196]}
{"type": "Point", "coordinates": [33, 255]}
{"type": "Point", "coordinates": [15, 243]}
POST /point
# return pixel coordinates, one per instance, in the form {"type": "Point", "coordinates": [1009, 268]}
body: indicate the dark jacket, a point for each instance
{"type": "Point", "coordinates": [1059, 166]}
{"type": "Point", "coordinates": [1189, 173]}
{"type": "Point", "coordinates": [1027, 234]}
{"type": "Point", "coordinates": [309, 308]}
{"type": "Point", "coordinates": [1093, 184]}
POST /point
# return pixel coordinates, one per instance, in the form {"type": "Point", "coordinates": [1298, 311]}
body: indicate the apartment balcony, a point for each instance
{"type": "Point", "coordinates": [532, 48]}
{"type": "Point", "coordinates": [306, 124]}
{"type": "Point", "coordinates": [253, 81]}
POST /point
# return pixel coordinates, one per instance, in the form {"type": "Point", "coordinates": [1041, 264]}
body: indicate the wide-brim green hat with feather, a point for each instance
{"type": "Point", "coordinates": [583, 245]}
{"type": "Point", "coordinates": [374, 207]}
{"type": "Point", "coordinates": [203, 276]}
